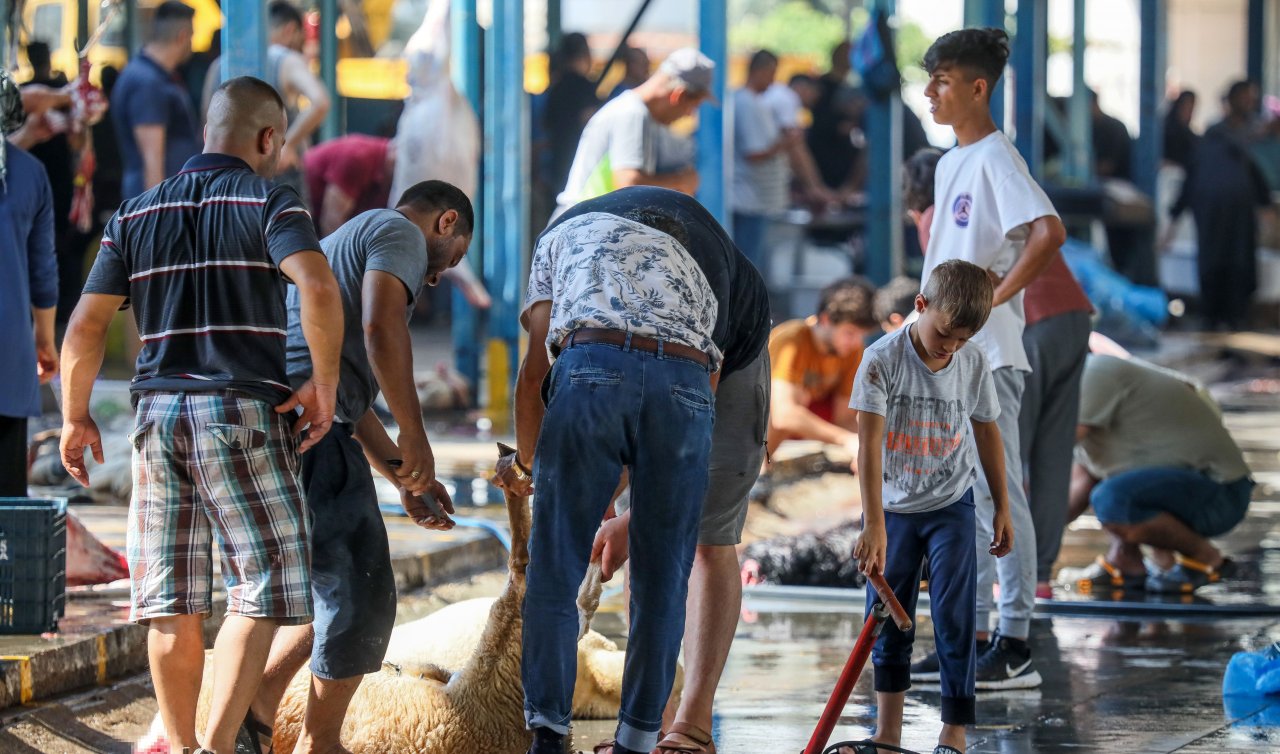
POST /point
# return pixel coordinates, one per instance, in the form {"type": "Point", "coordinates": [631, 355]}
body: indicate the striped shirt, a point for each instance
{"type": "Point", "coordinates": [198, 258]}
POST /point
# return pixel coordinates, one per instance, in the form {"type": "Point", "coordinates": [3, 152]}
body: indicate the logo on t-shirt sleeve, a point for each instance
{"type": "Point", "coordinates": [961, 210]}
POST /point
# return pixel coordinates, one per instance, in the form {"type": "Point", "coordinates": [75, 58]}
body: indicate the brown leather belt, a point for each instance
{"type": "Point", "coordinates": [638, 342]}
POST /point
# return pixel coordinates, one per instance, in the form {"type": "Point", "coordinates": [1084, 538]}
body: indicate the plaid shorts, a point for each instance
{"type": "Point", "coordinates": [216, 467]}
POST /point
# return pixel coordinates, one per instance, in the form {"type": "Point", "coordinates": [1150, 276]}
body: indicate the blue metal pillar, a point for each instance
{"type": "Point", "coordinates": [1149, 149]}
{"type": "Point", "coordinates": [715, 157]}
{"type": "Point", "coordinates": [884, 179]}
{"type": "Point", "coordinates": [1079, 163]}
{"type": "Point", "coordinates": [332, 127]}
{"type": "Point", "coordinates": [244, 38]}
{"type": "Point", "coordinates": [132, 30]}
{"type": "Point", "coordinates": [988, 13]}
{"type": "Point", "coordinates": [5, 9]}
{"type": "Point", "coordinates": [555, 24]}
{"type": "Point", "coordinates": [1030, 53]}
{"type": "Point", "coordinates": [506, 195]}
{"type": "Point", "coordinates": [1257, 36]}
{"type": "Point", "coordinates": [466, 67]}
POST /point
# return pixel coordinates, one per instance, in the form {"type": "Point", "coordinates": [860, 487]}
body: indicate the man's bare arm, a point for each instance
{"type": "Point", "coordinates": [377, 445]}
{"type": "Point", "coordinates": [322, 330]}
{"type": "Point", "coordinates": [685, 181]}
{"type": "Point", "coordinates": [82, 352]}
{"type": "Point", "coordinates": [534, 368]}
{"type": "Point", "coordinates": [151, 143]}
{"type": "Point", "coordinates": [338, 206]}
{"type": "Point", "coordinates": [390, 349]}
{"type": "Point", "coordinates": [297, 76]}
{"type": "Point", "coordinates": [788, 413]}
{"type": "Point", "coordinates": [1043, 242]}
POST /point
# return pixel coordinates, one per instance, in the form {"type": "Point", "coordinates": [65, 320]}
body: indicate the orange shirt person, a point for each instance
{"type": "Point", "coordinates": [814, 361]}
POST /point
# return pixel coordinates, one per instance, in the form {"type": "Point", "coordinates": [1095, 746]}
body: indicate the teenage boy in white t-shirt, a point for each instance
{"type": "Point", "coordinates": [989, 211]}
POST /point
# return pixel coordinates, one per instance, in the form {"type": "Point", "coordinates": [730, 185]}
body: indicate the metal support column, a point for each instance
{"type": "Point", "coordinates": [244, 38]}
{"type": "Point", "coordinates": [1030, 54]}
{"type": "Point", "coordinates": [715, 158]}
{"type": "Point", "coordinates": [1257, 36]}
{"type": "Point", "coordinates": [329, 68]}
{"type": "Point", "coordinates": [82, 23]}
{"type": "Point", "coordinates": [1079, 165]}
{"type": "Point", "coordinates": [884, 179]}
{"type": "Point", "coordinates": [555, 24]}
{"type": "Point", "coordinates": [465, 67]}
{"type": "Point", "coordinates": [988, 14]}
{"type": "Point", "coordinates": [132, 30]}
{"type": "Point", "coordinates": [1149, 148]}
{"type": "Point", "coordinates": [506, 196]}
{"type": "Point", "coordinates": [6, 7]}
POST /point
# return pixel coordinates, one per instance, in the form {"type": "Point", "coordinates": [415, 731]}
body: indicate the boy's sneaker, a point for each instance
{"type": "Point", "coordinates": [1007, 665]}
{"type": "Point", "coordinates": [929, 670]}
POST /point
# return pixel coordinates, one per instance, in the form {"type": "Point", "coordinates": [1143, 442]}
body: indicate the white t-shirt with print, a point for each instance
{"type": "Point", "coordinates": [601, 270]}
{"type": "Point", "coordinates": [984, 201]}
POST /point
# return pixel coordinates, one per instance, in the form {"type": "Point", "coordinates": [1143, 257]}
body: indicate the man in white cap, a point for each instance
{"type": "Point", "coordinates": [628, 142]}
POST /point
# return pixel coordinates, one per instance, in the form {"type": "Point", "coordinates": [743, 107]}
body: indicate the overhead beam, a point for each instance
{"type": "Point", "coordinates": [715, 158]}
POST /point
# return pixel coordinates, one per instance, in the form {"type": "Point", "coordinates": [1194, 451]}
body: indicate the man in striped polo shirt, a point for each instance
{"type": "Point", "coordinates": [204, 258]}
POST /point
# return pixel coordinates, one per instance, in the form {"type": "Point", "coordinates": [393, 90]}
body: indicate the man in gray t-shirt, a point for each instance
{"type": "Point", "coordinates": [628, 142]}
{"type": "Point", "coordinates": [381, 259]}
{"type": "Point", "coordinates": [1159, 468]}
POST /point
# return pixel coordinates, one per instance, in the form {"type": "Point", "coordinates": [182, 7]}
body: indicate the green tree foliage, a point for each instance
{"type": "Point", "coordinates": [807, 28]}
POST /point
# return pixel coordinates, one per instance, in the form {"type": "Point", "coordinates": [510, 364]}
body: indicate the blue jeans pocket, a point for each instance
{"type": "Point", "coordinates": [694, 398]}
{"type": "Point", "coordinates": [595, 377]}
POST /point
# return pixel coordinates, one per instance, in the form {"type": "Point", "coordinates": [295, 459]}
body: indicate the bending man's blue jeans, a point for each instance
{"type": "Point", "coordinates": [1209, 508]}
{"type": "Point", "coordinates": [610, 407]}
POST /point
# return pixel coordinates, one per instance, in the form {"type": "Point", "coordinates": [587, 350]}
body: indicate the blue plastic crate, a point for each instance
{"type": "Point", "coordinates": [33, 564]}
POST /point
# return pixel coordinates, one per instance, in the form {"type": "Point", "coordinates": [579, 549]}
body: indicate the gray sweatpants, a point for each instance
{"type": "Point", "coordinates": [1056, 348]}
{"type": "Point", "coordinates": [1017, 570]}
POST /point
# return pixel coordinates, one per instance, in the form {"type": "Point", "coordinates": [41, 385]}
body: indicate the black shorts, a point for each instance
{"type": "Point", "coordinates": [351, 577]}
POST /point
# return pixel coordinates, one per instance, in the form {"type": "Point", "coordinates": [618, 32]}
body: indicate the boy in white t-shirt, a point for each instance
{"type": "Point", "coordinates": [989, 211]}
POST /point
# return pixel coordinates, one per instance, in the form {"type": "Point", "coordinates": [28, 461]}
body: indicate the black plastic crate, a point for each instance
{"type": "Point", "coordinates": [33, 564]}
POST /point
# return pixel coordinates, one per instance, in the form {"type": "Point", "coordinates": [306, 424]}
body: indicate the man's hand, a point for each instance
{"type": "Point", "coordinates": [870, 549]}
{"type": "Point", "coordinates": [431, 510]}
{"type": "Point", "coordinates": [46, 360]}
{"type": "Point", "coordinates": [611, 545]}
{"type": "Point", "coordinates": [318, 403]}
{"type": "Point", "coordinates": [1002, 541]}
{"type": "Point", "coordinates": [76, 434]}
{"type": "Point", "coordinates": [510, 476]}
{"type": "Point", "coordinates": [417, 472]}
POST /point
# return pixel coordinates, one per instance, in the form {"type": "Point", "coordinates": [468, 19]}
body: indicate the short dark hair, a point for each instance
{"type": "Point", "coordinates": [1239, 87]}
{"type": "Point", "coordinates": [170, 17]}
{"type": "Point", "coordinates": [849, 301]}
{"type": "Point", "coordinates": [962, 292]}
{"type": "Point", "coordinates": [802, 78]}
{"type": "Point", "coordinates": [898, 296]}
{"type": "Point", "coordinates": [432, 196]}
{"type": "Point", "coordinates": [38, 54]}
{"type": "Point", "coordinates": [761, 59]}
{"type": "Point", "coordinates": [282, 12]}
{"type": "Point", "coordinates": [917, 179]}
{"type": "Point", "coordinates": [982, 52]}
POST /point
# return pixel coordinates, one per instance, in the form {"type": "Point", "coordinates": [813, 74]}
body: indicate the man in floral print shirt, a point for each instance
{"type": "Point", "coordinates": [643, 304]}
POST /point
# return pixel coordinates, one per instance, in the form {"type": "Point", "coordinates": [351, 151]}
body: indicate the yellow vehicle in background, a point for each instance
{"type": "Point", "coordinates": [56, 22]}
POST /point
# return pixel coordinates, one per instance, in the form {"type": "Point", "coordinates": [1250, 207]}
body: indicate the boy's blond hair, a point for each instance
{"type": "Point", "coordinates": [961, 292]}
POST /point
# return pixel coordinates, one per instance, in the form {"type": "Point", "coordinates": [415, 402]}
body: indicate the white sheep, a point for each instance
{"type": "Point", "coordinates": [419, 703]}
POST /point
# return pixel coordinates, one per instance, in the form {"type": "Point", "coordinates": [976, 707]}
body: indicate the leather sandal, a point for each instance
{"type": "Point", "coordinates": [604, 747]}
{"type": "Point", "coordinates": [686, 738]}
{"type": "Point", "coordinates": [252, 731]}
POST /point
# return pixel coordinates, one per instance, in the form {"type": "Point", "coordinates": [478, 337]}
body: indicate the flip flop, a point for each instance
{"type": "Point", "coordinates": [1102, 576]}
{"type": "Point", "coordinates": [695, 741]}
{"type": "Point", "coordinates": [1188, 575]}
{"type": "Point", "coordinates": [249, 738]}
